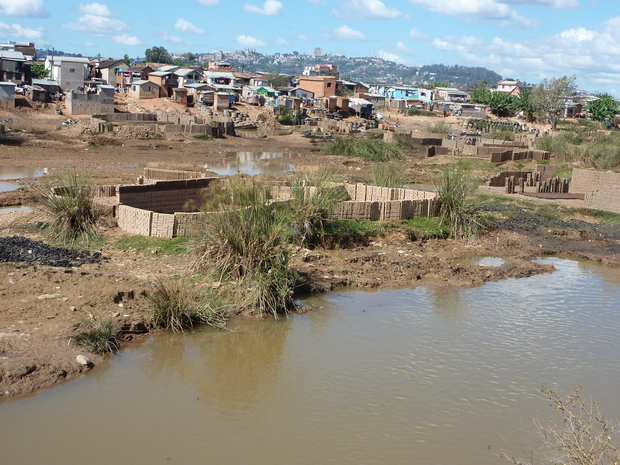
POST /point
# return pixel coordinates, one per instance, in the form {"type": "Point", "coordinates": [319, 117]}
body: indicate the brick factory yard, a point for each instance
{"type": "Point", "coordinates": [41, 303]}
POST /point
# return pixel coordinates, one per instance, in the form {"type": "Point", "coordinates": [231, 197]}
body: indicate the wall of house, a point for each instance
{"type": "Point", "coordinates": [319, 87]}
{"type": "Point", "coordinates": [7, 97]}
{"type": "Point", "coordinates": [143, 92]}
{"type": "Point", "coordinates": [88, 104]}
{"type": "Point", "coordinates": [72, 80]}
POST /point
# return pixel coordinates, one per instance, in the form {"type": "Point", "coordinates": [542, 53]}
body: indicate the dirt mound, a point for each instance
{"type": "Point", "coordinates": [26, 251]}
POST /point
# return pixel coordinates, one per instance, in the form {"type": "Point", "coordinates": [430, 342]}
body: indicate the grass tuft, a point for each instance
{"type": "Point", "coordinates": [69, 200]}
{"type": "Point", "coordinates": [460, 212]}
{"type": "Point", "coordinates": [368, 148]}
{"type": "Point", "coordinates": [96, 335]}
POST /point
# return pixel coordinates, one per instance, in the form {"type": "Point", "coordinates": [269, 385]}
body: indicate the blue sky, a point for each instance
{"type": "Point", "coordinates": [523, 39]}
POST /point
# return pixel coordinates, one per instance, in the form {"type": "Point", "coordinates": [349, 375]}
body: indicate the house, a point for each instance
{"type": "Point", "coordinates": [165, 79]}
{"type": "Point", "coordinates": [509, 86]}
{"type": "Point", "coordinates": [112, 71]}
{"type": "Point", "coordinates": [12, 66]}
{"type": "Point", "coordinates": [7, 95]}
{"type": "Point", "coordinates": [353, 87]}
{"type": "Point", "coordinates": [450, 94]}
{"type": "Point", "coordinates": [144, 90]}
{"type": "Point", "coordinates": [99, 102]}
{"type": "Point", "coordinates": [321, 86]}
{"type": "Point", "coordinates": [70, 72]}
{"type": "Point", "coordinates": [187, 76]}
{"type": "Point", "coordinates": [301, 93]}
{"type": "Point", "coordinates": [219, 77]}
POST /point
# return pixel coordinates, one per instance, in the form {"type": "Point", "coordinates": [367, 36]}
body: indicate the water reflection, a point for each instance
{"type": "Point", "coordinates": [425, 376]}
{"type": "Point", "coordinates": [252, 163]}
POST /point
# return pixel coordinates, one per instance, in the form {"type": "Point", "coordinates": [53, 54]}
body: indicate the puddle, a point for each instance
{"type": "Point", "coordinates": [480, 261]}
{"type": "Point", "coordinates": [22, 208]}
{"type": "Point", "coordinates": [18, 172]}
{"type": "Point", "coordinates": [259, 133]}
{"type": "Point", "coordinates": [252, 163]}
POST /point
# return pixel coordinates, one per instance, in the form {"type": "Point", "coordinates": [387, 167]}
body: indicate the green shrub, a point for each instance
{"type": "Point", "coordinates": [349, 232]}
{"type": "Point", "coordinates": [368, 148]}
{"type": "Point", "coordinates": [203, 137]}
{"type": "Point", "coordinates": [440, 127]}
{"type": "Point", "coordinates": [460, 213]}
{"type": "Point", "coordinates": [154, 245]}
{"type": "Point", "coordinates": [69, 200]}
{"type": "Point", "coordinates": [502, 134]}
{"type": "Point", "coordinates": [96, 335]}
{"type": "Point", "coordinates": [389, 175]}
{"type": "Point", "coordinates": [176, 306]}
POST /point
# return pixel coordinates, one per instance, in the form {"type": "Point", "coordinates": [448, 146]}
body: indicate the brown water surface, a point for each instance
{"type": "Point", "coordinates": [423, 376]}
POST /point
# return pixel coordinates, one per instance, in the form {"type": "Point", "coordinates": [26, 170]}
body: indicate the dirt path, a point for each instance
{"type": "Point", "coordinates": [42, 304]}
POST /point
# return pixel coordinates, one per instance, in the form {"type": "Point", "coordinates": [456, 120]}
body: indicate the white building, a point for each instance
{"type": "Point", "coordinates": [69, 72]}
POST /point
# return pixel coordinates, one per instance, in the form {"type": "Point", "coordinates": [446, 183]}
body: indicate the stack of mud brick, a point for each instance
{"type": "Point", "coordinates": [506, 155]}
{"type": "Point", "coordinates": [601, 189]}
{"type": "Point", "coordinates": [157, 174]}
{"type": "Point", "coordinates": [183, 123]}
{"type": "Point", "coordinates": [382, 203]}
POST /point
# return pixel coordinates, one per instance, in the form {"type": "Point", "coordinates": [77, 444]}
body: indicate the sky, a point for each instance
{"type": "Point", "coordinates": [528, 40]}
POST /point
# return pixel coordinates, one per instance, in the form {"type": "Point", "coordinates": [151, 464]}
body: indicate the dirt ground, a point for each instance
{"type": "Point", "coordinates": [41, 305]}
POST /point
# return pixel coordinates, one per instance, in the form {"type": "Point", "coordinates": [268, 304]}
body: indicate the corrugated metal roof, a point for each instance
{"type": "Point", "coordinates": [11, 55]}
{"type": "Point", "coordinates": [44, 82]}
{"type": "Point", "coordinates": [140, 83]}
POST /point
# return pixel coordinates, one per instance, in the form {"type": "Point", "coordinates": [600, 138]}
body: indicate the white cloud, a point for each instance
{"type": "Point", "coordinates": [416, 34]}
{"type": "Point", "coordinates": [88, 43]}
{"type": "Point", "coordinates": [210, 2]}
{"type": "Point", "coordinates": [172, 39]}
{"type": "Point", "coordinates": [390, 57]}
{"type": "Point", "coordinates": [125, 39]}
{"type": "Point", "coordinates": [365, 9]}
{"type": "Point", "coordinates": [17, 32]}
{"type": "Point", "coordinates": [282, 42]}
{"type": "Point", "coordinates": [303, 37]}
{"type": "Point", "coordinates": [96, 9]}
{"type": "Point", "coordinates": [26, 8]}
{"type": "Point", "coordinates": [478, 9]}
{"type": "Point", "coordinates": [99, 26]}
{"type": "Point", "coordinates": [185, 26]}
{"type": "Point", "coordinates": [555, 4]}
{"type": "Point", "coordinates": [346, 33]}
{"type": "Point", "coordinates": [270, 8]}
{"type": "Point", "coordinates": [251, 42]}
{"type": "Point", "coordinates": [401, 47]}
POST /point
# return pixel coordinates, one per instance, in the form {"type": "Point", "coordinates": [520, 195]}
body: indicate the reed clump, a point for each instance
{"type": "Point", "coordinates": [96, 334]}
{"type": "Point", "coordinates": [459, 213]}
{"type": "Point", "coordinates": [368, 148]}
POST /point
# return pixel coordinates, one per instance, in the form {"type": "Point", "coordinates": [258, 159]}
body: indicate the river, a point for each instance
{"type": "Point", "coordinates": [420, 376]}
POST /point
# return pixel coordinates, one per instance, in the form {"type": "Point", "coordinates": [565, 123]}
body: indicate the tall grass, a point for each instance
{"type": "Point", "coordinates": [244, 240]}
{"type": "Point", "coordinates": [96, 335]}
{"type": "Point", "coordinates": [367, 148]}
{"type": "Point", "coordinates": [389, 175]}
{"type": "Point", "coordinates": [601, 151]}
{"type": "Point", "coordinates": [69, 200]}
{"type": "Point", "coordinates": [440, 127]}
{"type": "Point", "coordinates": [176, 306]}
{"type": "Point", "coordinates": [460, 212]}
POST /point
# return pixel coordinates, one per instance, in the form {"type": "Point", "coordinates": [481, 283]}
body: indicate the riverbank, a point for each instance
{"type": "Point", "coordinates": [43, 304]}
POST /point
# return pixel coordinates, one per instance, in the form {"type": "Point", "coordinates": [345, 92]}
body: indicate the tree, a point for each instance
{"type": "Point", "coordinates": [501, 103]}
{"type": "Point", "coordinates": [548, 97]}
{"type": "Point", "coordinates": [178, 62]}
{"type": "Point", "coordinates": [157, 55]}
{"type": "Point", "coordinates": [525, 104]}
{"type": "Point", "coordinates": [38, 71]}
{"type": "Point", "coordinates": [275, 79]}
{"type": "Point", "coordinates": [603, 109]}
{"type": "Point", "coordinates": [191, 58]}
{"type": "Point", "coordinates": [480, 92]}
{"type": "Point", "coordinates": [127, 60]}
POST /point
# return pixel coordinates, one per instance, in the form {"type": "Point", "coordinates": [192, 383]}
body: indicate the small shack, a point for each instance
{"type": "Point", "coordinates": [144, 90]}
{"type": "Point", "coordinates": [7, 95]}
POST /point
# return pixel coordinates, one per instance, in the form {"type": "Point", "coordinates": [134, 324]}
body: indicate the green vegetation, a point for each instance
{"type": "Point", "coordinates": [368, 148]}
{"type": "Point", "coordinates": [502, 134]}
{"type": "Point", "coordinates": [439, 127]}
{"type": "Point", "coordinates": [418, 112]}
{"type": "Point", "coordinates": [154, 245]}
{"type": "Point", "coordinates": [460, 212]}
{"type": "Point", "coordinates": [96, 335]}
{"type": "Point", "coordinates": [288, 117]}
{"type": "Point", "coordinates": [601, 151]}
{"type": "Point", "coordinates": [69, 200]}
{"type": "Point", "coordinates": [548, 98]}
{"type": "Point", "coordinates": [177, 307]}
{"type": "Point", "coordinates": [604, 108]}
{"type": "Point", "coordinates": [243, 240]}
{"type": "Point", "coordinates": [426, 227]}
{"type": "Point", "coordinates": [157, 55]}
{"type": "Point", "coordinates": [349, 232]}
{"type": "Point", "coordinates": [389, 175]}
{"type": "Point", "coordinates": [203, 137]}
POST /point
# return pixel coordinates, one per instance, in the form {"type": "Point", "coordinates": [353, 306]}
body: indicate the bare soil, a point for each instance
{"type": "Point", "coordinates": [41, 305]}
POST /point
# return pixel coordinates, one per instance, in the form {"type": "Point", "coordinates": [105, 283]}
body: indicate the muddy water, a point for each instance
{"type": "Point", "coordinates": [17, 172]}
{"type": "Point", "coordinates": [424, 376]}
{"type": "Point", "coordinates": [252, 163]}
